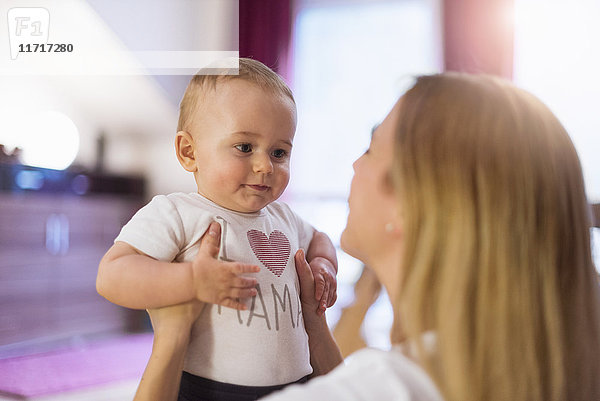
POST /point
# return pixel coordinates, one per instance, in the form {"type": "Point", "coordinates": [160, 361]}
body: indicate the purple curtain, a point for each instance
{"type": "Point", "coordinates": [265, 32]}
{"type": "Point", "coordinates": [479, 36]}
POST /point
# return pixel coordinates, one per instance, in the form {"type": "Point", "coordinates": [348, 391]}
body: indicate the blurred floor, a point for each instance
{"type": "Point", "coordinates": [119, 391]}
{"type": "Point", "coordinates": [100, 370]}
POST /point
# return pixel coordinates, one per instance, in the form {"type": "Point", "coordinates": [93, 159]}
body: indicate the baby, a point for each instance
{"type": "Point", "coordinates": [235, 134]}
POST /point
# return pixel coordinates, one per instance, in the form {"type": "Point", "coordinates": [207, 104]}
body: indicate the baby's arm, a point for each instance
{"type": "Point", "coordinates": [129, 278]}
{"type": "Point", "coordinates": [132, 279]}
{"type": "Point", "coordinates": [322, 259]}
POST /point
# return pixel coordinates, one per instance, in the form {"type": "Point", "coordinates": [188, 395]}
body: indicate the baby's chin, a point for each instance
{"type": "Point", "coordinates": [255, 202]}
{"type": "Point", "coordinates": [249, 205]}
{"type": "Point", "coordinates": [254, 207]}
{"type": "Point", "coordinates": [244, 202]}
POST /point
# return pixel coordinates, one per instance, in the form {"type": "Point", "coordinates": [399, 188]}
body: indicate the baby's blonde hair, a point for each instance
{"type": "Point", "coordinates": [249, 70]}
{"type": "Point", "coordinates": [497, 258]}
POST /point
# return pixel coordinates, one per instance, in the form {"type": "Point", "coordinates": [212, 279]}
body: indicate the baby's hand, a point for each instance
{"type": "Point", "coordinates": [324, 274]}
{"type": "Point", "coordinates": [219, 282]}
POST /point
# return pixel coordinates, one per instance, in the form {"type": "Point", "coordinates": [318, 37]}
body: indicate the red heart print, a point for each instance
{"type": "Point", "coordinates": [273, 252]}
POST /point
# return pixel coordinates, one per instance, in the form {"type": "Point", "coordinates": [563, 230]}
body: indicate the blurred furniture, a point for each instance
{"type": "Point", "coordinates": [51, 241]}
{"type": "Point", "coordinates": [596, 215]}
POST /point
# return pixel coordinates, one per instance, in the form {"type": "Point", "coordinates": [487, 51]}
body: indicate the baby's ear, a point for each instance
{"type": "Point", "coordinates": [184, 148]}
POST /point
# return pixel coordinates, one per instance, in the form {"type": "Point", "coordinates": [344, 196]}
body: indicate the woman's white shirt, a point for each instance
{"type": "Point", "coordinates": [368, 374]}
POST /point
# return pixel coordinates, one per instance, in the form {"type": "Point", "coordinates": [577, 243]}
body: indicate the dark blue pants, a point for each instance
{"type": "Point", "coordinates": [196, 388]}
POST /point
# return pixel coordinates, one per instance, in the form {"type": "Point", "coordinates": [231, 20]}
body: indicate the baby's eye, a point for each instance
{"type": "Point", "coordinates": [279, 153]}
{"type": "Point", "coordinates": [244, 147]}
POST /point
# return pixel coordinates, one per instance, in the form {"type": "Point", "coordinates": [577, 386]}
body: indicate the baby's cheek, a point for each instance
{"type": "Point", "coordinates": [228, 174]}
{"type": "Point", "coordinates": [283, 176]}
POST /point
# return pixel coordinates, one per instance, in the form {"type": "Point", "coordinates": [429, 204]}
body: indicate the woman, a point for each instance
{"type": "Point", "coordinates": [470, 207]}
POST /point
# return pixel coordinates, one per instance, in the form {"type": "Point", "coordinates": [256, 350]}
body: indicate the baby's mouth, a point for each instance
{"type": "Point", "coordinates": [260, 188]}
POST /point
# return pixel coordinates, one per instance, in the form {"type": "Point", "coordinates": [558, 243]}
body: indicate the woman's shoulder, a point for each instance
{"type": "Point", "coordinates": [369, 374]}
{"type": "Point", "coordinates": [398, 376]}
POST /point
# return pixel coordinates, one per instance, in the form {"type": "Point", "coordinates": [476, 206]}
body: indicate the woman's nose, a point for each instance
{"type": "Point", "coordinates": [263, 164]}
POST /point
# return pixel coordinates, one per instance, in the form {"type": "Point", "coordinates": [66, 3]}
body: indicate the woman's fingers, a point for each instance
{"type": "Point", "coordinates": [306, 279]}
{"type": "Point", "coordinates": [303, 269]}
{"type": "Point", "coordinates": [210, 241]}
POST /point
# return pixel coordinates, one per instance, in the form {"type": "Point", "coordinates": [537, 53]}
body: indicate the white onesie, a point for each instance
{"type": "Point", "coordinates": [266, 344]}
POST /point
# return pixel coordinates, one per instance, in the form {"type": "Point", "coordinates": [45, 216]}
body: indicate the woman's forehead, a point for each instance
{"type": "Point", "coordinates": [385, 129]}
{"type": "Point", "coordinates": [392, 117]}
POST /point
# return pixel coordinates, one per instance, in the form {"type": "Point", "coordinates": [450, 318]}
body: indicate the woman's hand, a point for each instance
{"type": "Point", "coordinates": [172, 330]}
{"type": "Point", "coordinates": [310, 304]}
{"type": "Point", "coordinates": [324, 352]}
{"type": "Point", "coordinates": [175, 321]}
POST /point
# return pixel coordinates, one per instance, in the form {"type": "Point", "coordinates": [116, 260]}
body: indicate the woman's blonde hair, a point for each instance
{"type": "Point", "coordinates": [497, 258]}
{"type": "Point", "coordinates": [249, 70]}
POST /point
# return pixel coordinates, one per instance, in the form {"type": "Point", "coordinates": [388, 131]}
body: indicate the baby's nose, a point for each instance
{"type": "Point", "coordinates": [263, 164]}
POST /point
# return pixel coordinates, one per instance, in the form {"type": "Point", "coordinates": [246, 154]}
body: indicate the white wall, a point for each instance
{"type": "Point", "coordinates": [134, 111]}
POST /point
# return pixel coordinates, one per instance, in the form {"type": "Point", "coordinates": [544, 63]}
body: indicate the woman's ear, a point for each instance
{"type": "Point", "coordinates": [396, 224]}
{"type": "Point", "coordinates": [184, 148]}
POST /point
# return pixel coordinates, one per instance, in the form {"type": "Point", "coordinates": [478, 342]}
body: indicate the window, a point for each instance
{"type": "Point", "coordinates": [351, 63]}
{"type": "Point", "coordinates": [557, 57]}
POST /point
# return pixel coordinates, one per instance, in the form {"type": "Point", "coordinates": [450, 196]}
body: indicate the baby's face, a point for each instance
{"type": "Point", "coordinates": [242, 144]}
